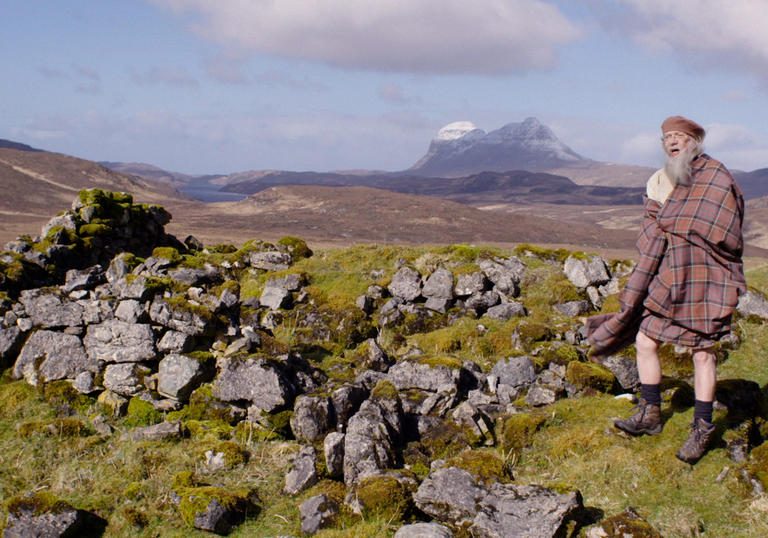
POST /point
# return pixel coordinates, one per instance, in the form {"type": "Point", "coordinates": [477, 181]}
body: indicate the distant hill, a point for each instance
{"type": "Point", "coordinates": [753, 184]}
{"type": "Point", "coordinates": [9, 144]}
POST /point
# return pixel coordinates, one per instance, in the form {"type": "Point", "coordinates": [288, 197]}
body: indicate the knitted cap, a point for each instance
{"type": "Point", "coordinates": [684, 125]}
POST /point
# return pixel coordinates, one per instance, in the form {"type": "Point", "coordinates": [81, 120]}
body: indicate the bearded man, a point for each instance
{"type": "Point", "coordinates": [687, 281]}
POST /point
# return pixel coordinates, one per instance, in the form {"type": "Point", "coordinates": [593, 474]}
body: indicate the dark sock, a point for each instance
{"type": "Point", "coordinates": [702, 410]}
{"type": "Point", "coordinates": [651, 394]}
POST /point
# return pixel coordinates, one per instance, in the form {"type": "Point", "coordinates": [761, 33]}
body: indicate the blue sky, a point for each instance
{"type": "Point", "coordinates": [199, 87]}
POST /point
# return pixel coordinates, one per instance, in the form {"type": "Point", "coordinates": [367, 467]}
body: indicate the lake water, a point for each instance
{"type": "Point", "coordinates": [206, 192]}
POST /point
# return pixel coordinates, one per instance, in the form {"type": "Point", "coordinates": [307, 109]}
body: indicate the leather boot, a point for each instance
{"type": "Point", "coordinates": [696, 445]}
{"type": "Point", "coordinates": [647, 420]}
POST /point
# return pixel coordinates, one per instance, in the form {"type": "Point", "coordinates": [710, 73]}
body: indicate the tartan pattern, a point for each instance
{"type": "Point", "coordinates": [689, 272]}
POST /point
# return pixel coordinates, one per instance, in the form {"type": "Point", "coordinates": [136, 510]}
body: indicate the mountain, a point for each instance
{"type": "Point", "coordinates": [149, 172]}
{"type": "Point", "coordinates": [10, 144]}
{"type": "Point", "coordinates": [753, 184]}
{"type": "Point", "coordinates": [461, 148]}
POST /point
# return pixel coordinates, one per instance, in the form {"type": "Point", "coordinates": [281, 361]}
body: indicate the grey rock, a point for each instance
{"type": "Point", "coordinates": [482, 301]}
{"type": "Point", "coordinates": [753, 303]}
{"type": "Point", "coordinates": [506, 311]}
{"type": "Point", "coordinates": [333, 448]}
{"type": "Point", "coordinates": [505, 273]}
{"type": "Point", "coordinates": [609, 288]}
{"type": "Point", "coordinates": [303, 473]}
{"type": "Point", "coordinates": [84, 383]}
{"type": "Point", "coordinates": [270, 260]}
{"type": "Point", "coordinates": [275, 298]}
{"type": "Point", "coordinates": [625, 370]}
{"type": "Point", "coordinates": [97, 311]}
{"type": "Point", "coordinates": [254, 380]}
{"type": "Point", "coordinates": [364, 303]}
{"type": "Point", "coordinates": [376, 358]}
{"type": "Point", "coordinates": [438, 305]}
{"type": "Point", "coordinates": [175, 342]}
{"type": "Point", "coordinates": [439, 285]}
{"type": "Point", "coordinates": [290, 282]}
{"type": "Point", "coordinates": [48, 310]}
{"type": "Point", "coordinates": [346, 400]}
{"type": "Point", "coordinates": [468, 416]}
{"type": "Point", "coordinates": [49, 355]}
{"type": "Point", "coordinates": [412, 375]}
{"type": "Point", "coordinates": [131, 311]}
{"type": "Point", "coordinates": [120, 341]}
{"type": "Point", "coordinates": [221, 519]}
{"type": "Point", "coordinates": [66, 221]}
{"type": "Point", "coordinates": [449, 494]}
{"type": "Point", "coordinates": [375, 291]}
{"type": "Point", "coordinates": [591, 271]}
{"type": "Point", "coordinates": [25, 324]}
{"type": "Point", "coordinates": [391, 305]}
{"type": "Point", "coordinates": [317, 513]}
{"type": "Point", "coordinates": [124, 378]}
{"type": "Point", "coordinates": [190, 321]}
{"type": "Point", "coordinates": [196, 276]}
{"type": "Point", "coordinates": [157, 432]}
{"type": "Point", "coordinates": [424, 530]}
{"type": "Point", "coordinates": [369, 445]}
{"type": "Point", "coordinates": [311, 418]}
{"type": "Point", "coordinates": [118, 268]}
{"type": "Point", "coordinates": [133, 287]}
{"type": "Point", "coordinates": [26, 523]}
{"type": "Point", "coordinates": [10, 343]}
{"type": "Point", "coordinates": [470, 283]}
{"type": "Point", "coordinates": [573, 308]}
{"type": "Point", "coordinates": [539, 395]}
{"type": "Point", "coordinates": [178, 375]}
{"type": "Point", "coordinates": [515, 371]}
{"type": "Point", "coordinates": [83, 279]}
{"type": "Point", "coordinates": [406, 284]}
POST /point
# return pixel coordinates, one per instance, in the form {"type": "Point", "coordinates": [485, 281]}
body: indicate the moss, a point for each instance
{"type": "Point", "coordinates": [454, 363]}
{"type": "Point", "coordinates": [194, 501]}
{"type": "Point", "coordinates": [61, 393]}
{"type": "Point", "coordinates": [135, 517]}
{"type": "Point", "coordinates": [58, 427]}
{"type": "Point", "coordinates": [628, 523]}
{"type": "Point", "coordinates": [204, 406]}
{"type": "Point", "coordinates": [207, 429]}
{"type": "Point", "coordinates": [532, 332]}
{"type": "Point", "coordinates": [482, 464]}
{"type": "Point", "coordinates": [142, 413]}
{"type": "Point", "coordinates": [590, 375]}
{"type": "Point", "coordinates": [167, 253]}
{"type": "Point", "coordinates": [384, 390]}
{"type": "Point", "coordinates": [675, 364]}
{"type": "Point", "coordinates": [132, 490]}
{"type": "Point", "coordinates": [224, 248]}
{"type": "Point", "coordinates": [758, 464]}
{"type": "Point", "coordinates": [558, 255]}
{"type": "Point", "coordinates": [234, 454]}
{"type": "Point", "coordinates": [518, 430]}
{"type": "Point", "coordinates": [183, 479]}
{"type": "Point", "coordinates": [439, 442]}
{"type": "Point", "coordinates": [40, 502]}
{"type": "Point", "coordinates": [330, 488]}
{"type": "Point", "coordinates": [384, 496]}
{"type": "Point", "coordinates": [94, 230]}
{"type": "Point", "coordinates": [296, 247]}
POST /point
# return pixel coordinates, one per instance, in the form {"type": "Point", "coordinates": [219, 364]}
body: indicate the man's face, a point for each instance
{"type": "Point", "coordinates": [676, 142]}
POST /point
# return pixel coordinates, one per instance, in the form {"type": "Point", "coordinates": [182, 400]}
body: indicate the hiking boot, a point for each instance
{"type": "Point", "coordinates": [647, 420]}
{"type": "Point", "coordinates": [701, 435]}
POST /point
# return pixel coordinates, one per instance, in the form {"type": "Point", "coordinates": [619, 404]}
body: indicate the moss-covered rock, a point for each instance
{"type": "Point", "coordinates": [589, 375]}
{"type": "Point", "coordinates": [57, 427]}
{"type": "Point", "coordinates": [485, 465]}
{"type": "Point", "coordinates": [62, 395]}
{"type": "Point", "coordinates": [196, 501]}
{"type": "Point", "coordinates": [142, 413]}
{"type": "Point", "coordinates": [233, 454]}
{"type": "Point", "coordinates": [296, 247]}
{"type": "Point", "coordinates": [518, 430]}
{"type": "Point", "coordinates": [384, 496]}
{"type": "Point", "coordinates": [38, 503]}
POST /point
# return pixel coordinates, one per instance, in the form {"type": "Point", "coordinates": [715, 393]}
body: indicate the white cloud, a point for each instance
{"type": "Point", "coordinates": [433, 36]}
{"type": "Point", "coordinates": [712, 34]}
{"type": "Point", "coordinates": [736, 146]}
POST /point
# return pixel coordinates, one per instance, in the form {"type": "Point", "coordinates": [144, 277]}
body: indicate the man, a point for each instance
{"type": "Point", "coordinates": [686, 284]}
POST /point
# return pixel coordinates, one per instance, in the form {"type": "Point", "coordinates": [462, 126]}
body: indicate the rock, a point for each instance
{"type": "Point", "coordinates": [312, 418]}
{"type": "Point", "coordinates": [83, 279]}
{"type": "Point", "coordinates": [124, 378]}
{"type": "Point", "coordinates": [84, 383]}
{"type": "Point", "coordinates": [505, 273]}
{"type": "Point", "coordinates": [333, 448]}
{"type": "Point", "coordinates": [131, 311]}
{"type": "Point", "coordinates": [184, 317]}
{"type": "Point", "coordinates": [482, 301]}
{"type": "Point", "coordinates": [197, 276]}
{"type": "Point", "coordinates": [156, 432]}
{"type": "Point", "coordinates": [438, 305]}
{"type": "Point", "coordinates": [255, 380]}
{"type": "Point", "coordinates": [450, 495]}
{"type": "Point", "coordinates": [67, 221]}
{"type": "Point", "coordinates": [625, 370]}
{"type": "Point", "coordinates": [303, 474]}
{"type": "Point", "coordinates": [120, 341]}
{"type": "Point", "coordinates": [470, 283]}
{"type": "Point", "coordinates": [375, 357]}
{"type": "Point", "coordinates": [193, 243]}
{"type": "Point", "coordinates": [539, 395]}
{"type": "Point", "coordinates": [290, 282]}
{"type": "Point", "coordinates": [412, 375]}
{"type": "Point", "coordinates": [117, 269]}
{"type": "Point", "coordinates": [133, 287]}
{"type": "Point", "coordinates": [742, 397]}
{"type": "Point", "coordinates": [628, 524]}
{"type": "Point", "coordinates": [276, 298]}
{"type": "Point", "coordinates": [406, 284]}
{"type": "Point", "coordinates": [364, 303]}
{"type": "Point", "coordinates": [10, 343]}
{"type": "Point", "coordinates": [175, 342]}
{"type": "Point", "coordinates": [317, 513]}
{"type": "Point", "coordinates": [439, 285]}
{"type": "Point", "coordinates": [346, 401]}
{"type": "Point", "coordinates": [572, 309]}
{"type": "Point", "coordinates": [270, 260]}
{"type": "Point", "coordinates": [424, 530]}
{"type": "Point", "coordinates": [589, 271]}
{"type": "Point", "coordinates": [506, 311]}
{"type": "Point", "coordinates": [49, 355]}
{"type": "Point", "coordinates": [48, 310]}
{"type": "Point", "coordinates": [468, 416]}
{"type": "Point", "coordinates": [369, 445]}
{"type": "Point", "coordinates": [223, 509]}
{"type": "Point", "coordinates": [515, 371]}
{"type": "Point", "coordinates": [178, 375]}
{"type": "Point", "coordinates": [59, 520]}
{"type": "Point", "coordinates": [753, 303]}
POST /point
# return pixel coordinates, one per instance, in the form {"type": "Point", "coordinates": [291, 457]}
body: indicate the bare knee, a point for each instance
{"type": "Point", "coordinates": [645, 344]}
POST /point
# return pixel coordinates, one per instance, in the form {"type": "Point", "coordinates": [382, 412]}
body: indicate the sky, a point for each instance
{"type": "Point", "coordinates": [218, 87]}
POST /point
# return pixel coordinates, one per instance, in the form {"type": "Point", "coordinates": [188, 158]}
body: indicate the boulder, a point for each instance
{"type": "Point", "coordinates": [83, 279]}
{"type": "Point", "coordinates": [470, 283]}
{"type": "Point", "coordinates": [183, 316]}
{"type": "Point", "coordinates": [131, 311]}
{"type": "Point", "coordinates": [49, 355]}
{"type": "Point", "coordinates": [588, 271]}
{"type": "Point", "coordinates": [480, 301]}
{"type": "Point", "coordinates": [753, 303]}
{"type": "Point", "coordinates": [317, 513]}
{"type": "Point", "coordinates": [48, 310]}
{"type": "Point", "coordinates": [312, 418]}
{"type": "Point", "coordinates": [346, 400]}
{"type": "Point", "coordinates": [406, 284]}
{"type": "Point", "coordinates": [10, 342]}
{"type": "Point", "coordinates": [60, 519]}
{"type": "Point", "coordinates": [505, 273]}
{"type": "Point", "coordinates": [333, 448]}
{"type": "Point", "coordinates": [439, 285]}
{"type": "Point", "coordinates": [175, 342]}
{"type": "Point", "coordinates": [506, 311]}
{"type": "Point", "coordinates": [303, 473]}
{"type": "Point", "coordinates": [275, 298]}
{"type": "Point", "coordinates": [255, 380]}
{"type": "Point", "coordinates": [125, 378]}
{"type": "Point", "coordinates": [369, 445]}
{"type": "Point", "coordinates": [156, 432]}
{"type": "Point", "coordinates": [197, 276]}
{"type": "Point", "coordinates": [413, 375]}
{"type": "Point", "coordinates": [424, 530]}
{"type": "Point", "coordinates": [178, 375]}
{"type": "Point", "coordinates": [120, 341]}
{"type": "Point", "coordinates": [572, 309]}
{"type": "Point", "coordinates": [270, 260]}
{"type": "Point", "coordinates": [625, 370]}
{"type": "Point", "coordinates": [515, 371]}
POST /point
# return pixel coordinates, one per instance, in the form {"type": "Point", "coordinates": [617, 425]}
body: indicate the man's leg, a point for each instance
{"type": "Point", "coordinates": [647, 420]}
{"type": "Point", "coordinates": [704, 382]}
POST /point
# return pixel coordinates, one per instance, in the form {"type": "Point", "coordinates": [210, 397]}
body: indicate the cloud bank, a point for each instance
{"type": "Point", "coordinates": [425, 36]}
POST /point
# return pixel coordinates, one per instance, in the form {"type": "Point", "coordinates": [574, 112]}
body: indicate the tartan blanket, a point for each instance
{"type": "Point", "coordinates": [690, 269]}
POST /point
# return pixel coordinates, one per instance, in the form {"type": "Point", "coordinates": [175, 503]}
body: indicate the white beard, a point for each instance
{"type": "Point", "coordinates": [678, 167]}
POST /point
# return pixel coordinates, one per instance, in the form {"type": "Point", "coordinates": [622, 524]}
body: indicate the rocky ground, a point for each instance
{"type": "Point", "coordinates": [400, 380]}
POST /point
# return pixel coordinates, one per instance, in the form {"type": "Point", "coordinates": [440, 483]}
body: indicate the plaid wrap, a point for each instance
{"type": "Point", "coordinates": [689, 272]}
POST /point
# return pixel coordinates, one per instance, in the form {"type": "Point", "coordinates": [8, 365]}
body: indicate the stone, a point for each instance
{"type": "Point", "coordinates": [625, 370]}
{"type": "Point", "coordinates": [333, 449]}
{"type": "Point", "coordinates": [117, 269]}
{"type": "Point", "coordinates": [120, 341]}
{"type": "Point", "coordinates": [26, 521]}
{"type": "Point", "coordinates": [197, 276]}
{"type": "Point", "coordinates": [753, 303]}
{"type": "Point", "coordinates": [439, 285]}
{"type": "Point", "coordinates": [346, 400]}
{"type": "Point", "coordinates": [370, 441]}
{"type": "Point", "coordinates": [470, 283]}
{"type": "Point", "coordinates": [66, 221]}
{"type": "Point", "coordinates": [156, 432]}
{"type": "Point", "coordinates": [50, 355]}
{"type": "Point", "coordinates": [506, 311]}
{"type": "Point", "coordinates": [589, 271]}
{"type": "Point", "coordinates": [438, 305]}
{"type": "Point", "coordinates": [504, 273]}
{"type": "Point", "coordinates": [123, 378]}
{"type": "Point", "coordinates": [270, 260]}
{"type": "Point", "coordinates": [131, 311]}
{"type": "Point", "coordinates": [515, 371]}
{"type": "Point", "coordinates": [482, 301]}
{"type": "Point", "coordinates": [412, 375]}
{"type": "Point", "coordinates": [539, 395]}
{"type": "Point", "coordinates": [84, 383]}
{"type": "Point", "coordinates": [312, 418]}
{"type": "Point", "coordinates": [136, 287]}
{"type": "Point", "coordinates": [48, 310]}
{"type": "Point", "coordinates": [290, 282]}
{"type": "Point", "coordinates": [276, 298]}
{"type": "Point", "coordinates": [255, 380]}
{"type": "Point", "coordinates": [364, 303]}
{"type": "Point", "coordinates": [178, 375]}
{"type": "Point", "coordinates": [376, 358]}
{"type": "Point", "coordinates": [189, 320]}
{"type": "Point", "coordinates": [424, 530]}
{"type": "Point", "coordinates": [175, 342]}
{"type": "Point", "coordinates": [10, 343]}
{"type": "Point", "coordinates": [572, 309]}
{"type": "Point", "coordinates": [468, 416]}
{"type": "Point", "coordinates": [317, 513]}
{"type": "Point", "coordinates": [303, 473]}
{"type": "Point", "coordinates": [83, 279]}
{"type": "Point", "coordinates": [405, 284]}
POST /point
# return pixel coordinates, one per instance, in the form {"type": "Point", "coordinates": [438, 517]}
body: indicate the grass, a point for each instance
{"type": "Point", "coordinates": [574, 444]}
